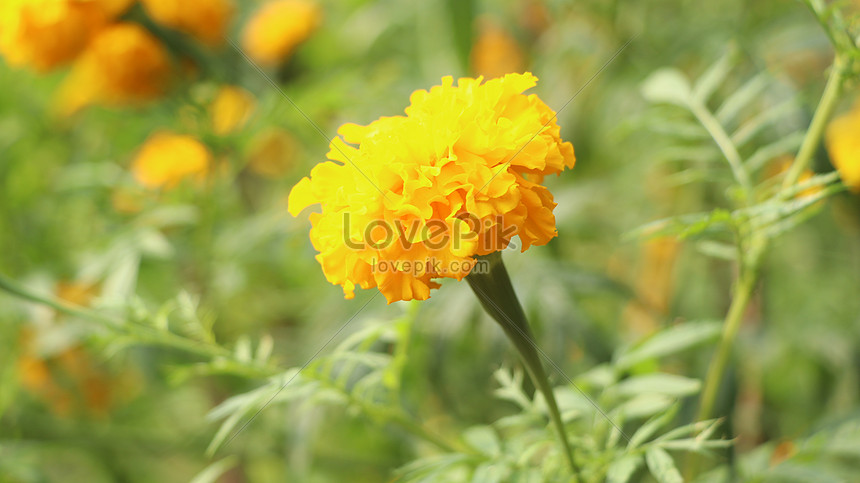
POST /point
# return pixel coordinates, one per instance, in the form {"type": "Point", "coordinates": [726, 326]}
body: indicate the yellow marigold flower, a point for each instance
{"type": "Point", "coordinates": [205, 20]}
{"type": "Point", "coordinates": [231, 109]}
{"type": "Point", "coordinates": [272, 153]}
{"type": "Point", "coordinates": [278, 28]}
{"type": "Point", "coordinates": [495, 52]}
{"type": "Point", "coordinates": [843, 145]}
{"type": "Point", "coordinates": [167, 158]}
{"type": "Point", "coordinates": [415, 198]}
{"type": "Point", "coordinates": [44, 34]}
{"type": "Point", "coordinates": [124, 64]}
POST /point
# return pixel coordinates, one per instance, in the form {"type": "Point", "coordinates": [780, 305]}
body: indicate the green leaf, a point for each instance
{"type": "Point", "coordinates": [661, 465]}
{"type": "Point", "coordinates": [483, 439]}
{"type": "Point", "coordinates": [491, 472]}
{"type": "Point", "coordinates": [666, 384]}
{"type": "Point", "coordinates": [741, 98]}
{"type": "Point", "coordinates": [211, 473]}
{"type": "Point", "coordinates": [667, 85]}
{"type": "Point", "coordinates": [713, 77]}
{"type": "Point", "coordinates": [760, 121]}
{"type": "Point", "coordinates": [786, 145]}
{"type": "Point", "coordinates": [684, 226]}
{"type": "Point", "coordinates": [621, 470]}
{"type": "Point", "coordinates": [650, 428]}
{"type": "Point", "coordinates": [670, 341]}
{"type": "Point", "coordinates": [695, 445]}
{"type": "Point", "coordinates": [643, 406]}
{"type": "Point", "coordinates": [721, 251]}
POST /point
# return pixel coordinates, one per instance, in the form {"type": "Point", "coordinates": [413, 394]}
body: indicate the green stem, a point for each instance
{"type": "Point", "coordinates": [491, 283]}
{"type": "Point", "coordinates": [740, 299]}
{"type": "Point", "coordinates": [141, 333]}
{"type": "Point", "coordinates": [823, 112]}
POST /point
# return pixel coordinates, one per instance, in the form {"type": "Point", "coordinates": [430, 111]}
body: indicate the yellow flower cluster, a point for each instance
{"type": "Point", "coordinates": [124, 64]}
{"type": "Point", "coordinates": [231, 109]}
{"type": "Point", "coordinates": [45, 34]}
{"type": "Point", "coordinates": [167, 158]}
{"type": "Point", "coordinates": [278, 28]}
{"type": "Point", "coordinates": [843, 145]}
{"type": "Point", "coordinates": [205, 20]}
{"type": "Point", "coordinates": [415, 198]}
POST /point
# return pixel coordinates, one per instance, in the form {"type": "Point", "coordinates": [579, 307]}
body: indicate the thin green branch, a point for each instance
{"type": "Point", "coordinates": [822, 115]}
{"type": "Point", "coordinates": [740, 299]}
{"type": "Point", "coordinates": [144, 334]}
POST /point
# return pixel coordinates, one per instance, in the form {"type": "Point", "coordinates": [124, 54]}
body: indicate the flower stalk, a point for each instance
{"type": "Point", "coordinates": [829, 100]}
{"type": "Point", "coordinates": [496, 293]}
{"type": "Point", "coordinates": [741, 296]}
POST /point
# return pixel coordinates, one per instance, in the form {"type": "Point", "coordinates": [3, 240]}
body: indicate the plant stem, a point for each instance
{"type": "Point", "coordinates": [741, 296]}
{"type": "Point", "coordinates": [496, 294]}
{"type": "Point", "coordinates": [825, 108]}
{"type": "Point", "coordinates": [142, 333]}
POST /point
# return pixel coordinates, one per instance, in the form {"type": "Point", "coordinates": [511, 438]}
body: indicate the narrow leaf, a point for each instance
{"type": "Point", "coordinates": [670, 341]}
{"type": "Point", "coordinates": [661, 465]}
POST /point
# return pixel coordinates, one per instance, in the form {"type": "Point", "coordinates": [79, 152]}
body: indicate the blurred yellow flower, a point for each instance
{"type": "Point", "coordinates": [417, 197]}
{"type": "Point", "coordinates": [77, 293]}
{"type": "Point", "coordinates": [231, 109]}
{"type": "Point", "coordinates": [205, 20]}
{"type": "Point", "coordinates": [843, 145]}
{"type": "Point", "coordinates": [495, 52]}
{"type": "Point", "coordinates": [44, 34]}
{"type": "Point", "coordinates": [780, 166]}
{"type": "Point", "coordinates": [278, 28]}
{"type": "Point", "coordinates": [168, 158]}
{"type": "Point", "coordinates": [124, 64]}
{"type": "Point", "coordinates": [272, 153]}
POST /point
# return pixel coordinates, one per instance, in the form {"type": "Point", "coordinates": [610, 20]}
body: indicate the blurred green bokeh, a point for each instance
{"type": "Point", "coordinates": [78, 403]}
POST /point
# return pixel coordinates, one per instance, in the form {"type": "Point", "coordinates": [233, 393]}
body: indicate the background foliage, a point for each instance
{"type": "Point", "coordinates": [204, 300]}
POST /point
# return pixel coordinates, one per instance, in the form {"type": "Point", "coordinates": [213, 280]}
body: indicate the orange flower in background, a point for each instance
{"type": "Point", "coordinates": [274, 32]}
{"type": "Point", "coordinates": [167, 158]}
{"type": "Point", "coordinates": [124, 64]}
{"type": "Point", "coordinates": [780, 166]}
{"type": "Point", "coordinates": [77, 293]}
{"type": "Point", "coordinates": [495, 52]}
{"type": "Point", "coordinates": [414, 198]}
{"type": "Point", "coordinates": [68, 381]}
{"type": "Point", "coordinates": [843, 145]}
{"type": "Point", "coordinates": [61, 373]}
{"type": "Point", "coordinates": [205, 20]}
{"type": "Point", "coordinates": [44, 34]}
{"type": "Point", "coordinates": [231, 109]}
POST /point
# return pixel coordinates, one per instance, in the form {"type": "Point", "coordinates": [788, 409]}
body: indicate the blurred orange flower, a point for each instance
{"type": "Point", "coordinates": [278, 28]}
{"type": "Point", "coordinates": [168, 158]}
{"type": "Point", "coordinates": [205, 20]}
{"type": "Point", "coordinates": [495, 52]}
{"type": "Point", "coordinates": [44, 34]}
{"type": "Point", "coordinates": [231, 109]}
{"type": "Point", "coordinates": [124, 64]}
{"type": "Point", "coordinates": [843, 145]}
{"type": "Point", "coordinates": [66, 382]}
{"type": "Point", "coordinates": [77, 293]}
{"type": "Point", "coordinates": [780, 166]}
